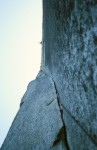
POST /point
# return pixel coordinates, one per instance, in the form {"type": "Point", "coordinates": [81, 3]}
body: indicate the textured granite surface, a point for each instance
{"type": "Point", "coordinates": [38, 121]}
{"type": "Point", "coordinates": [70, 57]}
{"type": "Point", "coordinates": [59, 109]}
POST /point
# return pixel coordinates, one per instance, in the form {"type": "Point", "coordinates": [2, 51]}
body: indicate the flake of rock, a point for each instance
{"type": "Point", "coordinates": [36, 125]}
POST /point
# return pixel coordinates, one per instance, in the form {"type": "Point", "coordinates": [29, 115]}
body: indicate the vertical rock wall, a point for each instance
{"type": "Point", "coordinates": [70, 57]}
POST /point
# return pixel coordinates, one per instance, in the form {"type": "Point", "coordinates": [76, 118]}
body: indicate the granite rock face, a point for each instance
{"type": "Point", "coordinates": [59, 109]}
{"type": "Point", "coordinates": [38, 121]}
{"type": "Point", "coordinates": [70, 57]}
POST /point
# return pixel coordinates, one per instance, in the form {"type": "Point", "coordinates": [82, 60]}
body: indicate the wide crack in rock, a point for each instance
{"type": "Point", "coordinates": [62, 135]}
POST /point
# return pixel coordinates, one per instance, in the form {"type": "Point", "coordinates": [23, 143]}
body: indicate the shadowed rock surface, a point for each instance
{"type": "Point", "coordinates": [69, 65]}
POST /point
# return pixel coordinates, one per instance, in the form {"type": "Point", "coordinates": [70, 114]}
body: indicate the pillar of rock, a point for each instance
{"type": "Point", "coordinates": [59, 109]}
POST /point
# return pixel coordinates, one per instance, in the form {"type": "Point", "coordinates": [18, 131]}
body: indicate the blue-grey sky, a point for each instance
{"type": "Point", "coordinates": [20, 54]}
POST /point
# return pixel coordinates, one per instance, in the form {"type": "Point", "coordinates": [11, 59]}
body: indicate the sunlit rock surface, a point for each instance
{"type": "Point", "coordinates": [38, 121]}
{"type": "Point", "coordinates": [69, 62]}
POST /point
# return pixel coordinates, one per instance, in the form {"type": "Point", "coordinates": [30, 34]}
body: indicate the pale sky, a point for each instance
{"type": "Point", "coordinates": [20, 54]}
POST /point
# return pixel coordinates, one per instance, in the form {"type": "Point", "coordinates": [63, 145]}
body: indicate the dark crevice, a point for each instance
{"type": "Point", "coordinates": [59, 137]}
{"type": "Point", "coordinates": [62, 135]}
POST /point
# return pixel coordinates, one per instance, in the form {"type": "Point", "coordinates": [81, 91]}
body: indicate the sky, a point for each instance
{"type": "Point", "coordinates": [20, 54]}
